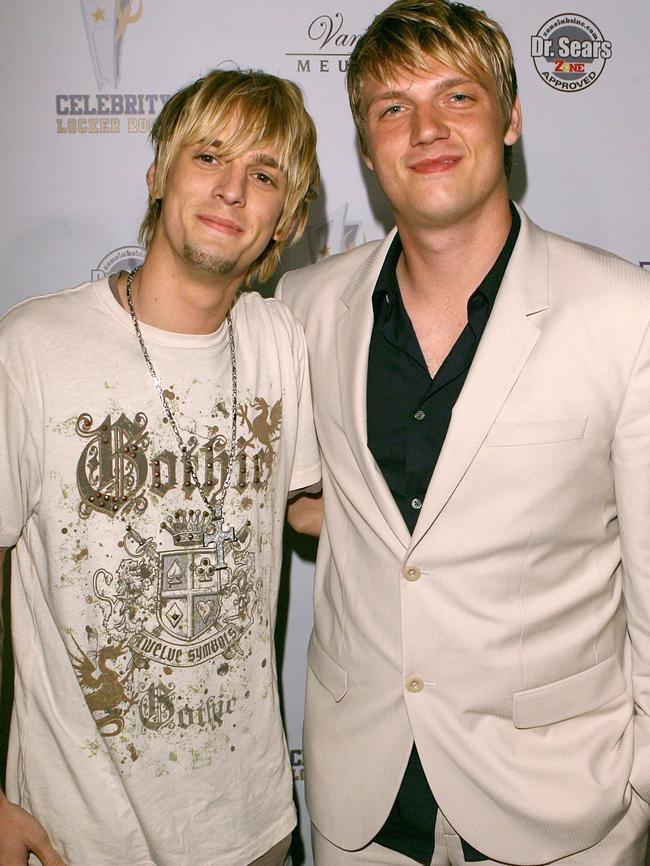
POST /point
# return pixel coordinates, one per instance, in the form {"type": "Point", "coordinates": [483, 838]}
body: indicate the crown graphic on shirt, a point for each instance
{"type": "Point", "coordinates": [187, 527]}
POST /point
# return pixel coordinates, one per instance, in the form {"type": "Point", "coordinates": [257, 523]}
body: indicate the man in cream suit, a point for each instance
{"type": "Point", "coordinates": [479, 669]}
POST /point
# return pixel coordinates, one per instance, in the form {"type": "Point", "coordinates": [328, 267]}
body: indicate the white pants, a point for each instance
{"type": "Point", "coordinates": [625, 845]}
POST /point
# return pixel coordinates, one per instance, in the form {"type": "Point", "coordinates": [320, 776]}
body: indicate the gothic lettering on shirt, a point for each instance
{"type": "Point", "coordinates": [119, 471]}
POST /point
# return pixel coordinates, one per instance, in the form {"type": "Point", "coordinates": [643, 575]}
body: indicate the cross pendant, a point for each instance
{"type": "Point", "coordinates": [216, 535]}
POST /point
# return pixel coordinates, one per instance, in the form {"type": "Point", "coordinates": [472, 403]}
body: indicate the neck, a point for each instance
{"type": "Point", "coordinates": [180, 299]}
{"type": "Point", "coordinates": [456, 257]}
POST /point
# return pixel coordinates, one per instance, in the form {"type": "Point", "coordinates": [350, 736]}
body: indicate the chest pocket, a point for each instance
{"type": "Point", "coordinates": [542, 432]}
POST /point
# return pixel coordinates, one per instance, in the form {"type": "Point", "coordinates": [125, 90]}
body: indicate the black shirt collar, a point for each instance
{"type": "Point", "coordinates": [386, 287]}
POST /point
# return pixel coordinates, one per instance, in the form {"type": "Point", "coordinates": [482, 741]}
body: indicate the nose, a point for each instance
{"type": "Point", "coordinates": [428, 125]}
{"type": "Point", "coordinates": [230, 184]}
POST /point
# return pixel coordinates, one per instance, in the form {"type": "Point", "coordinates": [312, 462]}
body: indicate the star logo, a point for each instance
{"type": "Point", "coordinates": [336, 235]}
{"type": "Point", "coordinates": [105, 24]}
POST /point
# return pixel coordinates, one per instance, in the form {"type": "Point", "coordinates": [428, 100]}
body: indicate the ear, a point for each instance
{"type": "Point", "coordinates": [151, 177]}
{"type": "Point", "coordinates": [283, 235]}
{"type": "Point", "coordinates": [367, 161]}
{"type": "Point", "coordinates": [513, 130]}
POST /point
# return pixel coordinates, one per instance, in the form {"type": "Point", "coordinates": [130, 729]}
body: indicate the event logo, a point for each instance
{"type": "Point", "coordinates": [120, 259]}
{"type": "Point", "coordinates": [90, 113]}
{"type": "Point", "coordinates": [330, 44]}
{"type": "Point", "coordinates": [297, 767]}
{"type": "Point", "coordinates": [105, 22]}
{"type": "Point", "coordinates": [335, 235]}
{"type": "Point", "coordinates": [569, 52]}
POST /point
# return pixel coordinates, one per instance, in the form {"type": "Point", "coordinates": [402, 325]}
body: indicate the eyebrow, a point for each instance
{"type": "Point", "coordinates": [256, 157]}
{"type": "Point", "coordinates": [442, 84]}
{"type": "Point", "coordinates": [265, 159]}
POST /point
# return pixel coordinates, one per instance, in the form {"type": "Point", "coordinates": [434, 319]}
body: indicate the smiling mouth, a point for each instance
{"type": "Point", "coordinates": [435, 166]}
{"type": "Point", "coordinates": [220, 224]}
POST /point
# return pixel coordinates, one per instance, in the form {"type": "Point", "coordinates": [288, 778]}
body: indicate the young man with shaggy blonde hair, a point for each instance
{"type": "Point", "coordinates": [152, 425]}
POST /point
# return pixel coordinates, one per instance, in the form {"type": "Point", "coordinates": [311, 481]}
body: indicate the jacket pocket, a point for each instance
{"type": "Point", "coordinates": [542, 432]}
{"type": "Point", "coordinates": [569, 697]}
{"type": "Point", "coordinates": [328, 672]}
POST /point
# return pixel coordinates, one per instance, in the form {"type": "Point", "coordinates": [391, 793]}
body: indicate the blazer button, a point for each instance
{"type": "Point", "coordinates": [414, 684]}
{"type": "Point", "coordinates": [412, 572]}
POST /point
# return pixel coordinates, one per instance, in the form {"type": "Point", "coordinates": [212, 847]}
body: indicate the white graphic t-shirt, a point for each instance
{"type": "Point", "coordinates": [146, 725]}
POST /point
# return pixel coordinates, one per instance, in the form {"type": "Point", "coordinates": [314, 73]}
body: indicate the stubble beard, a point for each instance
{"type": "Point", "coordinates": [209, 263]}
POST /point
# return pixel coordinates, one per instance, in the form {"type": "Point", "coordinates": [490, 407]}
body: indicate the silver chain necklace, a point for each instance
{"type": "Point", "coordinates": [216, 533]}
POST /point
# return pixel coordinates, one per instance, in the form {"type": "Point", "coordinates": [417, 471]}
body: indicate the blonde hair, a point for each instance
{"type": "Point", "coordinates": [407, 34]}
{"type": "Point", "coordinates": [259, 110]}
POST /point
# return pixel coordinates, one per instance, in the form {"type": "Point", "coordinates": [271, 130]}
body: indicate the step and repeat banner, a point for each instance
{"type": "Point", "coordinates": [83, 81]}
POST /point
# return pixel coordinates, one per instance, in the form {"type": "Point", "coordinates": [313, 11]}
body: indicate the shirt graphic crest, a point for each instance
{"type": "Point", "coordinates": [193, 581]}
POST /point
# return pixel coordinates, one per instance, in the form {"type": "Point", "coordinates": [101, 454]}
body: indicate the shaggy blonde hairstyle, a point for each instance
{"type": "Point", "coordinates": [407, 34]}
{"type": "Point", "coordinates": [258, 110]}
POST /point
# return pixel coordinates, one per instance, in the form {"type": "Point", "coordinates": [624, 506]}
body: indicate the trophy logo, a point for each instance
{"type": "Point", "coordinates": [336, 235]}
{"type": "Point", "coordinates": [105, 22]}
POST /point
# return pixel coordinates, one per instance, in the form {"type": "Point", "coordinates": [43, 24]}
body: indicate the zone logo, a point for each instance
{"type": "Point", "coordinates": [569, 52]}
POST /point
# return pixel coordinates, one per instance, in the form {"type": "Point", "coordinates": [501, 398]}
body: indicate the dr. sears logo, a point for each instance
{"type": "Point", "coordinates": [570, 52]}
{"type": "Point", "coordinates": [330, 44]}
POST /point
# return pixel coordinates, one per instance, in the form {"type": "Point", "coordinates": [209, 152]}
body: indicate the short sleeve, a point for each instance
{"type": "Point", "coordinates": [306, 470]}
{"type": "Point", "coordinates": [19, 463]}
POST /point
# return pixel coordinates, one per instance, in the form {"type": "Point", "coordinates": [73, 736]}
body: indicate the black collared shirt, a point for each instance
{"type": "Point", "coordinates": [408, 417]}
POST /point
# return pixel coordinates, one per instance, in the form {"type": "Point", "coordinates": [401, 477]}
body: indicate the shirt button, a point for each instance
{"type": "Point", "coordinates": [419, 415]}
{"type": "Point", "coordinates": [414, 684]}
{"type": "Point", "coordinates": [415, 503]}
{"type": "Point", "coordinates": [412, 572]}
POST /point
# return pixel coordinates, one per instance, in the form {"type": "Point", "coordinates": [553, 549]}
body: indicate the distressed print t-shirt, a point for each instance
{"type": "Point", "coordinates": [146, 725]}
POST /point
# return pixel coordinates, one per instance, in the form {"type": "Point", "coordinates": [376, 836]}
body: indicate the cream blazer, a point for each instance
{"type": "Point", "coordinates": [509, 636]}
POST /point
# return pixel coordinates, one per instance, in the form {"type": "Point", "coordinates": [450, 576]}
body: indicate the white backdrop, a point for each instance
{"type": "Point", "coordinates": [83, 79]}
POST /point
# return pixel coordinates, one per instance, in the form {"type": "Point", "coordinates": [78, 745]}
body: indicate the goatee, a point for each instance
{"type": "Point", "coordinates": [212, 264]}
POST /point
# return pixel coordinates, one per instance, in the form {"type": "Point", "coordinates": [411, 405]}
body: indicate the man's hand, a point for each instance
{"type": "Point", "coordinates": [305, 514]}
{"type": "Point", "coordinates": [20, 833]}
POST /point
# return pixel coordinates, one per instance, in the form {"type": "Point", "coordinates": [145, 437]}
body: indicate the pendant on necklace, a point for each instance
{"type": "Point", "coordinates": [216, 535]}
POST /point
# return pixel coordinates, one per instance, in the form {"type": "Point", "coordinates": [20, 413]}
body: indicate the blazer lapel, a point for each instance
{"type": "Point", "coordinates": [508, 339]}
{"type": "Point", "coordinates": [353, 332]}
